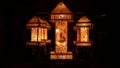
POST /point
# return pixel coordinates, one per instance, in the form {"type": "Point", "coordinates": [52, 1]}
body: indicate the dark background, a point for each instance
{"type": "Point", "coordinates": [15, 14]}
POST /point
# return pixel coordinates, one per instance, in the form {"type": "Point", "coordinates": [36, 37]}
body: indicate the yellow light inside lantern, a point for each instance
{"type": "Point", "coordinates": [38, 34]}
{"type": "Point", "coordinates": [34, 34]}
{"type": "Point", "coordinates": [84, 34]}
{"type": "Point", "coordinates": [57, 30]}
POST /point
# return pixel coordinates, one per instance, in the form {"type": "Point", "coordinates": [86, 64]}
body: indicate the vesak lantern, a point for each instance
{"type": "Point", "coordinates": [82, 26]}
{"type": "Point", "coordinates": [61, 16]}
{"type": "Point", "coordinates": [39, 29]}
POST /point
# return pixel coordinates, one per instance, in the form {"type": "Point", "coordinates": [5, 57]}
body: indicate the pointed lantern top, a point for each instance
{"type": "Point", "coordinates": [84, 19]}
{"type": "Point", "coordinates": [61, 8]}
{"type": "Point", "coordinates": [36, 21]}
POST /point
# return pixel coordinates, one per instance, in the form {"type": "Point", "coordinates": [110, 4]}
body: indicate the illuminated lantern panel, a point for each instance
{"type": "Point", "coordinates": [38, 34]}
{"type": "Point", "coordinates": [39, 28]}
{"type": "Point", "coordinates": [34, 34]}
{"type": "Point", "coordinates": [61, 15]}
{"type": "Point", "coordinates": [61, 37]}
{"type": "Point", "coordinates": [82, 26]}
{"type": "Point", "coordinates": [84, 34]}
{"type": "Point", "coordinates": [45, 34]}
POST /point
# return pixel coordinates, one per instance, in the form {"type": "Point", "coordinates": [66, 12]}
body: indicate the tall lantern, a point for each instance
{"type": "Point", "coordinates": [61, 16]}
{"type": "Point", "coordinates": [82, 26]}
{"type": "Point", "coordinates": [39, 33]}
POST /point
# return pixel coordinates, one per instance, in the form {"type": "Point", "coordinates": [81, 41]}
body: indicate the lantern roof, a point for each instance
{"type": "Point", "coordinates": [37, 21]}
{"type": "Point", "coordinates": [84, 19]}
{"type": "Point", "coordinates": [45, 22]}
{"type": "Point", "coordinates": [61, 8]}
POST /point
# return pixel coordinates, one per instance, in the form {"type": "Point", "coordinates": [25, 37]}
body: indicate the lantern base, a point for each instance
{"type": "Point", "coordinates": [40, 43]}
{"type": "Point", "coordinates": [61, 56]}
{"type": "Point", "coordinates": [83, 43]}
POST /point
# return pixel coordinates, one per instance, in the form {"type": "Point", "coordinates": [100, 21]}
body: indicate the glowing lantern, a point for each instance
{"type": "Point", "coordinates": [39, 29]}
{"type": "Point", "coordinates": [61, 16]}
{"type": "Point", "coordinates": [83, 25]}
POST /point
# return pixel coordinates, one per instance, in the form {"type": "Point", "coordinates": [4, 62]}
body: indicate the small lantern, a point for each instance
{"type": "Point", "coordinates": [82, 26]}
{"type": "Point", "coordinates": [39, 29]}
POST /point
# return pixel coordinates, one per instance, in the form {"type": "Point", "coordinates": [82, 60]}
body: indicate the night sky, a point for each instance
{"type": "Point", "coordinates": [15, 14]}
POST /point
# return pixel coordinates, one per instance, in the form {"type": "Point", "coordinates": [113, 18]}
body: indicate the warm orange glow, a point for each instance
{"type": "Point", "coordinates": [45, 34]}
{"type": "Point", "coordinates": [34, 21]}
{"type": "Point", "coordinates": [54, 57]}
{"type": "Point", "coordinates": [48, 41]}
{"type": "Point", "coordinates": [34, 34]}
{"type": "Point", "coordinates": [38, 34]}
{"type": "Point", "coordinates": [84, 34]}
{"type": "Point", "coordinates": [83, 24]}
{"type": "Point", "coordinates": [57, 30]}
{"type": "Point", "coordinates": [60, 43]}
{"type": "Point", "coordinates": [42, 34]}
{"type": "Point", "coordinates": [32, 25]}
{"type": "Point", "coordinates": [61, 49]}
{"type": "Point", "coordinates": [83, 44]}
{"type": "Point", "coordinates": [61, 8]}
{"type": "Point", "coordinates": [61, 37]}
{"type": "Point", "coordinates": [61, 15]}
{"type": "Point", "coordinates": [84, 19]}
{"type": "Point", "coordinates": [61, 12]}
{"type": "Point", "coordinates": [38, 28]}
{"type": "Point", "coordinates": [52, 52]}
